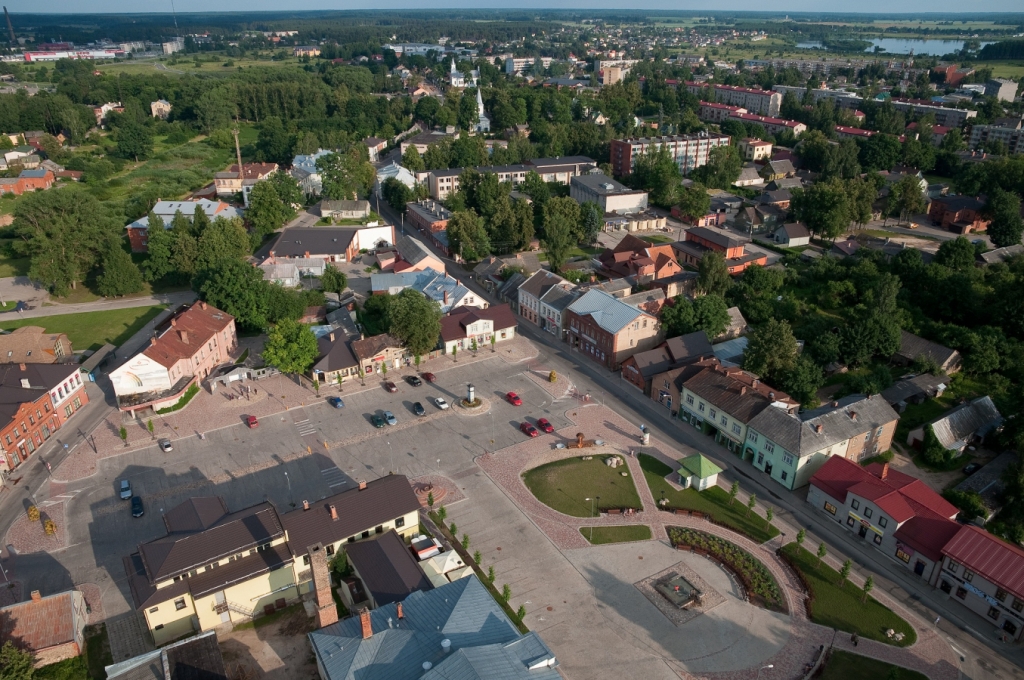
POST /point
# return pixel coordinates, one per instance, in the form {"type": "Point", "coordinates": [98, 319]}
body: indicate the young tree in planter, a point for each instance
{"type": "Point", "coordinates": [506, 592]}
{"type": "Point", "coordinates": [521, 612]}
{"type": "Point", "coordinates": [769, 514]}
{"type": "Point", "coordinates": [149, 426]}
{"type": "Point", "coordinates": [492, 343]}
{"type": "Point", "coordinates": [453, 529]}
{"type": "Point", "coordinates": [822, 551]}
{"type": "Point", "coordinates": [844, 572]}
{"type": "Point", "coordinates": [124, 435]}
{"type": "Point", "coordinates": [362, 375]}
{"type": "Point", "coordinates": [442, 513]}
{"type": "Point", "coordinates": [477, 556]}
{"type": "Point", "coordinates": [455, 351]}
{"type": "Point", "coordinates": [340, 382]}
{"type": "Point", "coordinates": [465, 541]}
{"type": "Point", "coordinates": [751, 504]}
{"type": "Point", "coordinates": [869, 585]}
{"type": "Point", "coordinates": [800, 536]}
{"type": "Point", "coordinates": [733, 490]}
{"type": "Point", "coordinates": [430, 499]}
{"type": "Point", "coordinates": [384, 369]}
{"type": "Point", "coordinates": [490, 574]}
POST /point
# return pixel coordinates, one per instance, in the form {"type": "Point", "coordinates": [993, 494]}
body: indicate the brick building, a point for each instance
{"type": "Point", "coordinates": [608, 330]}
{"type": "Point", "coordinates": [36, 179]}
{"type": "Point", "coordinates": [33, 345]}
{"type": "Point", "coordinates": [763, 102]}
{"type": "Point", "coordinates": [52, 628]}
{"type": "Point", "coordinates": [959, 214]}
{"type": "Point", "coordinates": [699, 241]}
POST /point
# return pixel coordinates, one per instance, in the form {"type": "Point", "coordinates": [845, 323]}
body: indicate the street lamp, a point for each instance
{"type": "Point", "coordinates": [592, 513]}
{"type": "Point", "coordinates": [289, 480]}
{"type": "Point", "coordinates": [762, 668]}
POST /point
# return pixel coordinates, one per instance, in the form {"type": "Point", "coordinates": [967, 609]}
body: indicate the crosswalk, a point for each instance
{"type": "Point", "coordinates": [305, 427]}
{"type": "Point", "coordinates": [334, 477]}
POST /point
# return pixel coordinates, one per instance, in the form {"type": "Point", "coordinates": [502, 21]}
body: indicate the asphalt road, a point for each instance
{"type": "Point", "coordinates": [105, 304]}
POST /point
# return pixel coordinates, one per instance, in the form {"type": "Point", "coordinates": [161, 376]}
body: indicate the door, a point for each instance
{"type": "Point", "coordinates": [768, 468]}
{"type": "Point", "coordinates": [863, 531]}
{"type": "Point", "coordinates": [219, 599]}
{"type": "Point", "coordinates": [919, 568]}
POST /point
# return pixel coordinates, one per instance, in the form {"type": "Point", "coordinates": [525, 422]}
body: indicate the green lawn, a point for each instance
{"type": "Point", "coordinates": [849, 666]}
{"type": "Point", "coordinates": [91, 330]}
{"type": "Point", "coordinates": [714, 501]}
{"type": "Point", "coordinates": [625, 534]}
{"type": "Point", "coordinates": [565, 484]}
{"type": "Point", "coordinates": [14, 266]}
{"type": "Point", "coordinates": [843, 607]}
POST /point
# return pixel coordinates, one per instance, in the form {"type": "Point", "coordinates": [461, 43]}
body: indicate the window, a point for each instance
{"type": "Point", "coordinates": [154, 610]}
{"type": "Point", "coordinates": [689, 399]}
{"type": "Point", "coordinates": [952, 567]}
{"type": "Point", "coordinates": [68, 411]}
{"type": "Point", "coordinates": [736, 428]}
{"type": "Point", "coordinates": [829, 508]}
{"type": "Point", "coordinates": [179, 604]}
{"type": "Point", "coordinates": [329, 550]}
{"type": "Point", "coordinates": [877, 539]}
{"type": "Point", "coordinates": [850, 521]}
{"type": "Point", "coordinates": [905, 557]}
{"type": "Point", "coordinates": [305, 560]}
{"type": "Point", "coordinates": [785, 474]}
{"type": "Point", "coordinates": [1000, 594]}
{"type": "Point", "coordinates": [945, 587]}
{"type": "Point", "coordinates": [760, 458]}
{"type": "Point", "coordinates": [787, 459]}
{"type": "Point", "coordinates": [968, 575]}
{"type": "Point", "coordinates": [752, 436]}
{"type": "Point", "coordinates": [31, 420]}
{"type": "Point", "coordinates": [993, 613]}
{"type": "Point", "coordinates": [882, 522]}
{"type": "Point", "coordinates": [351, 539]}
{"type": "Point", "coordinates": [855, 504]}
{"type": "Point", "coordinates": [365, 534]}
{"type": "Point", "coordinates": [1018, 604]}
{"type": "Point", "coordinates": [77, 403]}
{"type": "Point", "coordinates": [724, 420]}
{"type": "Point", "coordinates": [713, 414]}
{"type": "Point", "coordinates": [868, 512]}
{"type": "Point", "coordinates": [769, 447]}
{"type": "Point", "coordinates": [379, 529]}
{"type": "Point", "coordinates": [878, 432]}
{"type": "Point", "coordinates": [15, 433]}
{"type": "Point", "coordinates": [160, 627]}
{"type": "Point", "coordinates": [46, 407]}
{"type": "Point", "coordinates": [961, 593]}
{"type": "Point", "coordinates": [400, 522]}
{"type": "Point", "coordinates": [700, 407]}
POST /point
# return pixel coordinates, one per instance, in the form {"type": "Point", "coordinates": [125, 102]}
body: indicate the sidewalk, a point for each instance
{"type": "Point", "coordinates": [171, 299]}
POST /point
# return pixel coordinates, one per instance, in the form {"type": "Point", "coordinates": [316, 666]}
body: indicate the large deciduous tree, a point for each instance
{"type": "Point", "coordinates": [159, 245]}
{"type": "Point", "coordinates": [656, 171]}
{"type": "Point", "coordinates": [558, 239]}
{"type": "Point", "coordinates": [237, 288]}
{"type": "Point", "coordinates": [694, 202]}
{"type": "Point", "coordinates": [771, 351]}
{"type": "Point", "coordinates": [266, 212]}
{"type": "Point", "coordinates": [345, 175]}
{"type": "Point", "coordinates": [120, 276]}
{"type": "Point", "coordinates": [134, 140]}
{"type": "Point", "coordinates": [291, 347]}
{"type": "Point", "coordinates": [333, 280]}
{"type": "Point", "coordinates": [824, 207]}
{"type": "Point", "coordinates": [708, 313]}
{"type": "Point", "coordinates": [713, 274]}
{"type": "Point", "coordinates": [63, 233]}
{"type": "Point", "coordinates": [415, 320]}
{"type": "Point", "coordinates": [1003, 208]}
{"type": "Point", "coordinates": [467, 236]}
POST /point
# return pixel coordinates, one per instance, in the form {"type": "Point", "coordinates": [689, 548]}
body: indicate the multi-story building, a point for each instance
{"type": "Point", "coordinates": [465, 326]}
{"type": "Point", "coordinates": [698, 241]}
{"type": "Point", "coordinates": [332, 244]}
{"type": "Point", "coordinates": [138, 231]}
{"type": "Point", "coordinates": [755, 149]}
{"type": "Point", "coordinates": [306, 51]}
{"type": "Point", "coordinates": [33, 345]}
{"type": "Point", "coordinates": [790, 448]}
{"type": "Point", "coordinates": [443, 183]}
{"type": "Point", "coordinates": [773, 126]}
{"type": "Point", "coordinates": [1002, 89]}
{"type": "Point", "coordinates": [608, 330]}
{"type": "Point", "coordinates": [721, 401]}
{"type": "Point", "coordinates": [649, 371]}
{"type": "Point", "coordinates": [713, 112]}
{"type": "Point", "coordinates": [231, 182]}
{"type": "Point", "coordinates": [764, 102]}
{"type": "Point", "coordinates": [610, 195]}
{"type": "Point", "coordinates": [1009, 133]}
{"type": "Point", "coordinates": [531, 292]}
{"type": "Point", "coordinates": [520, 64]}
{"type": "Point", "coordinates": [36, 400]}
{"type": "Point", "coordinates": [427, 216]}
{"type": "Point", "coordinates": [563, 169]}
{"type": "Point", "coordinates": [842, 98]}
{"type": "Point", "coordinates": [161, 109]}
{"type": "Point", "coordinates": [959, 214]}
{"type": "Point", "coordinates": [688, 151]}
{"type": "Point", "coordinates": [28, 180]}
{"type": "Point", "coordinates": [552, 307]}
{"type": "Point", "coordinates": [215, 566]}
{"type": "Point", "coordinates": [943, 116]}
{"type": "Point", "coordinates": [846, 132]}
{"type": "Point", "coordinates": [185, 349]}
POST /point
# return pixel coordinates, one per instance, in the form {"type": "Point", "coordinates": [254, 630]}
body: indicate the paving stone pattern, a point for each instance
{"type": "Point", "coordinates": [709, 597]}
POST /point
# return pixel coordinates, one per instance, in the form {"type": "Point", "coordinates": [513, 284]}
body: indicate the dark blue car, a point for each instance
{"type": "Point", "coordinates": [137, 510]}
{"type": "Point", "coordinates": [336, 402]}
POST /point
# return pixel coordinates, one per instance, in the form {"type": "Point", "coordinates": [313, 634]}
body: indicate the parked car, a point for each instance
{"type": "Point", "coordinates": [137, 509]}
{"type": "Point", "coordinates": [390, 386]}
{"type": "Point", "coordinates": [971, 468]}
{"type": "Point", "coordinates": [252, 422]}
{"type": "Point", "coordinates": [336, 402]}
{"type": "Point", "coordinates": [441, 403]}
{"type": "Point", "coordinates": [413, 380]}
{"type": "Point", "coordinates": [545, 425]}
{"type": "Point", "coordinates": [126, 489]}
{"type": "Point", "coordinates": [429, 377]}
{"type": "Point", "coordinates": [390, 417]}
{"type": "Point", "coordinates": [528, 429]}
{"type": "Point", "coordinates": [377, 420]}
{"type": "Point", "coordinates": [514, 399]}
{"type": "Point", "coordinates": [165, 445]}
{"type": "Point", "coordinates": [418, 409]}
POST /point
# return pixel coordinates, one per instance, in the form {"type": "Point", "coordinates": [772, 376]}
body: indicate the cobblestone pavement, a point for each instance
{"type": "Point", "coordinates": [127, 638]}
{"type": "Point", "coordinates": [930, 654]}
{"type": "Point", "coordinates": [27, 536]}
{"type": "Point", "coordinates": [452, 493]}
{"type": "Point", "coordinates": [93, 600]}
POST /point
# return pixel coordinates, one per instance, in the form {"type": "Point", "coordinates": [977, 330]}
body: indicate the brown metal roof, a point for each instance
{"type": "Point", "coordinates": [387, 568]}
{"type": "Point", "coordinates": [242, 569]}
{"type": "Point", "coordinates": [381, 501]}
{"type": "Point", "coordinates": [736, 392]}
{"type": "Point", "coordinates": [195, 514]}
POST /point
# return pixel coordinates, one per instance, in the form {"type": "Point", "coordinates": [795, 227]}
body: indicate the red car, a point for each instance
{"type": "Point", "coordinates": [543, 424]}
{"type": "Point", "coordinates": [514, 399]}
{"type": "Point", "coordinates": [390, 386]}
{"type": "Point", "coordinates": [429, 377]}
{"type": "Point", "coordinates": [528, 429]}
{"type": "Point", "coordinates": [252, 422]}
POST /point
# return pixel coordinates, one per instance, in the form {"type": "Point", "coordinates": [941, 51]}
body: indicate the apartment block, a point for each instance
{"type": "Point", "coordinates": [688, 151]}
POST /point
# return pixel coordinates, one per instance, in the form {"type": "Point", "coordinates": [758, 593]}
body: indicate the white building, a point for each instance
{"type": "Point", "coordinates": [396, 171]}
{"type": "Point", "coordinates": [483, 123]}
{"type": "Point", "coordinates": [612, 196]}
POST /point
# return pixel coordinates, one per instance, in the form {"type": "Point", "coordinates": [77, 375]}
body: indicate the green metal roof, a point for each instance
{"type": "Point", "coordinates": [699, 465]}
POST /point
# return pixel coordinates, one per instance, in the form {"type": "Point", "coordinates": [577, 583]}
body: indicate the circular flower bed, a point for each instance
{"type": "Point", "coordinates": [761, 587]}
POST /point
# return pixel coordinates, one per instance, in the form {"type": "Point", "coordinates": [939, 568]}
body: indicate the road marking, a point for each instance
{"type": "Point", "coordinates": [334, 477]}
{"type": "Point", "coordinates": [305, 427]}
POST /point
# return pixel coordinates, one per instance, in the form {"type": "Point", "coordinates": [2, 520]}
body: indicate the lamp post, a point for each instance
{"type": "Point", "coordinates": [762, 668]}
{"type": "Point", "coordinates": [593, 507]}
{"type": "Point", "coordinates": [289, 481]}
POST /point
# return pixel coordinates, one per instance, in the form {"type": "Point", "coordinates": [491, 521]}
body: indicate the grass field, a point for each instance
{"type": "Point", "coordinates": [625, 534]}
{"type": "Point", "coordinates": [848, 666]}
{"type": "Point", "coordinates": [566, 484]}
{"type": "Point", "coordinates": [91, 330]}
{"type": "Point", "coordinates": [714, 501]}
{"type": "Point", "coordinates": [183, 67]}
{"type": "Point", "coordinates": [843, 607]}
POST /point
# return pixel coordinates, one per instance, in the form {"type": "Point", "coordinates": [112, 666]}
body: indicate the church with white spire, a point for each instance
{"type": "Point", "coordinates": [459, 79]}
{"type": "Point", "coordinates": [483, 123]}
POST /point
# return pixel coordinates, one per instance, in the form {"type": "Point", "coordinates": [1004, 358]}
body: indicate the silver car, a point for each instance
{"type": "Point", "coordinates": [165, 445]}
{"type": "Point", "coordinates": [441, 403]}
{"type": "Point", "coordinates": [126, 489]}
{"type": "Point", "coordinates": [390, 418]}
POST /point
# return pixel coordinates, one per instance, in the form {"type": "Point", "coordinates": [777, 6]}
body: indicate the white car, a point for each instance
{"type": "Point", "coordinates": [441, 403]}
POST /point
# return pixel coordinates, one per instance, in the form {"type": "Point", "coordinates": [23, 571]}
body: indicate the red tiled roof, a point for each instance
{"type": "Point", "coordinates": [199, 323]}
{"type": "Point", "coordinates": [927, 534]}
{"type": "Point", "coordinates": [985, 554]}
{"type": "Point", "coordinates": [254, 170]}
{"type": "Point", "coordinates": [43, 624]}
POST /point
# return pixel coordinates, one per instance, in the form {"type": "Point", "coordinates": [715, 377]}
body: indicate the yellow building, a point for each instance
{"type": "Point", "coordinates": [216, 567]}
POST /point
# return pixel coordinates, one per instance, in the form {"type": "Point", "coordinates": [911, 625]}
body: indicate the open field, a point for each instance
{"type": "Point", "coordinates": [145, 67]}
{"type": "Point", "coordinates": [91, 330]}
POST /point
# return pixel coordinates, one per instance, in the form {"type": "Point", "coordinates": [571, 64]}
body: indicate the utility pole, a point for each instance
{"type": "Point", "coordinates": [10, 26]}
{"type": "Point", "coordinates": [238, 154]}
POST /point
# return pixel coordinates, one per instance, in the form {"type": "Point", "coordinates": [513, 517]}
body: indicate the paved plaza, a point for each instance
{"type": "Point", "coordinates": [582, 599]}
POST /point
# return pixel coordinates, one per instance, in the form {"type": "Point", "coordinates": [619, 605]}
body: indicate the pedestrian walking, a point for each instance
{"type": "Point", "coordinates": [937, 619]}
{"type": "Point", "coordinates": [853, 639]}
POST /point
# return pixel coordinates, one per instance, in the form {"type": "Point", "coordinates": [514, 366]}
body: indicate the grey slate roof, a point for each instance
{"type": "Point", "coordinates": [298, 241]}
{"type": "Point", "coordinates": [387, 568]}
{"type": "Point", "coordinates": [800, 435]}
{"type": "Point", "coordinates": [913, 346]}
{"type": "Point", "coordinates": [1002, 254]}
{"type": "Point", "coordinates": [610, 313]}
{"type": "Point", "coordinates": [540, 283]}
{"type": "Point", "coordinates": [524, 659]}
{"type": "Point", "coordinates": [957, 425]}
{"type": "Point", "coordinates": [559, 297]}
{"type": "Point", "coordinates": [194, 658]}
{"type": "Point", "coordinates": [462, 612]}
{"type": "Point", "coordinates": [510, 289]}
{"type": "Point", "coordinates": [904, 389]}
{"type": "Point", "coordinates": [412, 251]}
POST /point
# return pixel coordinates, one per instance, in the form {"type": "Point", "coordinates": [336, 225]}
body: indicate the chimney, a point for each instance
{"type": "Point", "coordinates": [36, 596]}
{"type": "Point", "coordinates": [184, 336]}
{"type": "Point", "coordinates": [743, 390]}
{"type": "Point", "coordinates": [853, 415]}
{"type": "Point", "coordinates": [25, 382]}
{"type": "Point", "coordinates": [362, 485]}
{"type": "Point", "coordinates": [771, 395]}
{"type": "Point", "coordinates": [331, 336]}
{"type": "Point", "coordinates": [152, 342]}
{"type": "Point", "coordinates": [835, 404]}
{"type": "Point", "coordinates": [326, 611]}
{"type": "Point", "coordinates": [446, 297]}
{"type": "Point", "coordinates": [307, 254]}
{"type": "Point", "coordinates": [755, 383]}
{"type": "Point", "coordinates": [202, 305]}
{"type": "Point", "coordinates": [364, 619]}
{"type": "Point", "coordinates": [818, 428]}
{"type": "Point", "coordinates": [334, 513]}
{"type": "Point", "coordinates": [399, 608]}
{"type": "Point", "coordinates": [22, 367]}
{"type": "Point", "coordinates": [174, 321]}
{"type": "Point", "coordinates": [305, 505]}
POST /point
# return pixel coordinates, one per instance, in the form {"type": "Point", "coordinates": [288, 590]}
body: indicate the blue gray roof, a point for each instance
{"type": "Point", "coordinates": [608, 312]}
{"type": "Point", "coordinates": [429, 282]}
{"type": "Point", "coordinates": [483, 640]}
{"type": "Point", "coordinates": [308, 162]}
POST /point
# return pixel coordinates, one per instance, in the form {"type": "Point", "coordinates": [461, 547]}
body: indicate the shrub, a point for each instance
{"type": "Point", "coordinates": [50, 527]}
{"type": "Point", "coordinates": [758, 581]}
{"type": "Point", "coordinates": [33, 513]}
{"type": "Point", "coordinates": [968, 502]}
